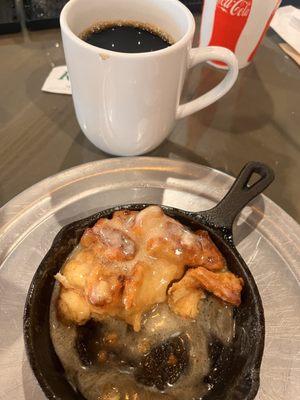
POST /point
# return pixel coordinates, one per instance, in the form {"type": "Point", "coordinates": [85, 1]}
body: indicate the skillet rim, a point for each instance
{"type": "Point", "coordinates": [223, 235]}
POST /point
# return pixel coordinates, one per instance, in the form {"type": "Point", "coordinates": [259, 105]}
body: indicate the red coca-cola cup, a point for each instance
{"type": "Point", "coordinates": [238, 25]}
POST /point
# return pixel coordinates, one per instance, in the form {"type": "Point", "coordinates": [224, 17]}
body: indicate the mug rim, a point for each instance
{"type": "Point", "coordinates": [173, 47]}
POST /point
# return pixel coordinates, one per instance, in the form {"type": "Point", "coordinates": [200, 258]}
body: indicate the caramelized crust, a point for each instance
{"type": "Point", "coordinates": [224, 285]}
{"type": "Point", "coordinates": [125, 265]}
{"type": "Point", "coordinates": [184, 297]}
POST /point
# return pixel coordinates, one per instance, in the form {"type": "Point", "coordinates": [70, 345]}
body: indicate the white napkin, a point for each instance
{"type": "Point", "coordinates": [286, 23]}
{"type": "Point", "coordinates": [58, 81]}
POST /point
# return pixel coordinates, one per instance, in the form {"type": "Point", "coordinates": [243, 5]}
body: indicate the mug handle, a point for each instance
{"type": "Point", "coordinates": [211, 53]}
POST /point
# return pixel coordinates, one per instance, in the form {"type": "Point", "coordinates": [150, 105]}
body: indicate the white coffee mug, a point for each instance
{"type": "Point", "coordinates": [127, 103]}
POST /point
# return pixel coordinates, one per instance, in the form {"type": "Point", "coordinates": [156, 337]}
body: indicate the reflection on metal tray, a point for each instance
{"type": "Point", "coordinates": [9, 19]}
{"type": "Point", "coordinates": [267, 238]}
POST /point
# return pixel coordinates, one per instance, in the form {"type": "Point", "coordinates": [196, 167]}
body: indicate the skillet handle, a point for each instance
{"type": "Point", "coordinates": [239, 195]}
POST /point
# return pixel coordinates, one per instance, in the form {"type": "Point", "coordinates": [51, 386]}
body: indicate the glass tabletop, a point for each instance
{"type": "Point", "coordinates": [258, 120]}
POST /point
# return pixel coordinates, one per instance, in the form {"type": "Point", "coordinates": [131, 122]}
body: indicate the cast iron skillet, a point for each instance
{"type": "Point", "coordinates": [238, 364]}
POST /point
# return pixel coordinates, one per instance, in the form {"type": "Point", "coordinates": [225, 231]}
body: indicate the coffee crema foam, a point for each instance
{"type": "Point", "coordinates": [101, 26]}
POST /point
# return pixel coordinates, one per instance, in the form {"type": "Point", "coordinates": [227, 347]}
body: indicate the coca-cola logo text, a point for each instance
{"type": "Point", "coordinates": [239, 8]}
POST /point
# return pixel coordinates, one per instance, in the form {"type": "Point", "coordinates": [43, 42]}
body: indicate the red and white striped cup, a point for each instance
{"type": "Point", "coordinates": [238, 25]}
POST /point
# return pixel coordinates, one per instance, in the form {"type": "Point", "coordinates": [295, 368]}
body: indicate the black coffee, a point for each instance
{"type": "Point", "coordinates": [126, 38]}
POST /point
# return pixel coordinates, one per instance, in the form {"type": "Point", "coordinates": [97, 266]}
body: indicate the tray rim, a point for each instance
{"type": "Point", "coordinates": [35, 202]}
{"type": "Point", "coordinates": [11, 211]}
{"type": "Point", "coordinates": [78, 167]}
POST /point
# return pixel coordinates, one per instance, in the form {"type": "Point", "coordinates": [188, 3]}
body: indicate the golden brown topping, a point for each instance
{"type": "Point", "coordinates": [224, 285]}
{"type": "Point", "coordinates": [103, 287]}
{"type": "Point", "coordinates": [170, 240]}
{"type": "Point", "coordinates": [184, 297]}
{"type": "Point", "coordinates": [73, 307]}
{"type": "Point", "coordinates": [133, 284]}
{"type": "Point", "coordinates": [212, 259]}
{"type": "Point", "coordinates": [124, 219]}
{"type": "Point", "coordinates": [109, 242]}
{"type": "Point", "coordinates": [125, 264]}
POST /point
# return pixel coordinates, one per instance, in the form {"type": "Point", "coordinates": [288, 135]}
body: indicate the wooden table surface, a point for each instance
{"type": "Point", "coordinates": [258, 120]}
